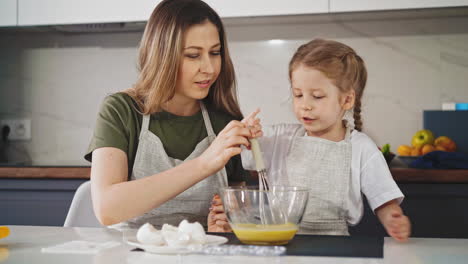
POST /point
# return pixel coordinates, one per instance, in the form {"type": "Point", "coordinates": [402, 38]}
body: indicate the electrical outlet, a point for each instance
{"type": "Point", "coordinates": [20, 129]}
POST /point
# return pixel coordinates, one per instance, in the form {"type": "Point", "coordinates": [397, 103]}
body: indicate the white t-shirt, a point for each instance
{"type": "Point", "coordinates": [369, 171]}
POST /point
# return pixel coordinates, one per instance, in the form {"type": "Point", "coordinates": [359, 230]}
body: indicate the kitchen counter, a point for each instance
{"type": "Point", "coordinates": [409, 175]}
{"type": "Point", "coordinates": [401, 175]}
{"type": "Point", "coordinates": [46, 172]}
{"type": "Point", "coordinates": [25, 243]}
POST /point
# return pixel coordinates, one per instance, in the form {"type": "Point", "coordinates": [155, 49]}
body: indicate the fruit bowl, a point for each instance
{"type": "Point", "coordinates": [265, 217]}
{"type": "Point", "coordinates": [389, 157]}
{"type": "Point", "coordinates": [407, 160]}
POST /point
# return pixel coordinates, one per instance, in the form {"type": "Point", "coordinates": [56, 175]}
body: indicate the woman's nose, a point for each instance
{"type": "Point", "coordinates": [206, 66]}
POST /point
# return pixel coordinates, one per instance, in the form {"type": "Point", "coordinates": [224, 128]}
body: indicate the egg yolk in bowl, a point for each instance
{"type": "Point", "coordinates": [265, 234]}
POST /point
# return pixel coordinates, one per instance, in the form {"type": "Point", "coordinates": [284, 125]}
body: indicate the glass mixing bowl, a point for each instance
{"type": "Point", "coordinates": [265, 217]}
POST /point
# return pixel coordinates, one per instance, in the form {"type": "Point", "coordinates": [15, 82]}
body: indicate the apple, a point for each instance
{"type": "Point", "coordinates": [422, 137]}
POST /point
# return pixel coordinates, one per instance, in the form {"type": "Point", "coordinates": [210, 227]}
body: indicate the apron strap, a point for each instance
{"type": "Point", "coordinates": [145, 124]}
{"type": "Point", "coordinates": [206, 119]}
{"type": "Point", "coordinates": [221, 175]}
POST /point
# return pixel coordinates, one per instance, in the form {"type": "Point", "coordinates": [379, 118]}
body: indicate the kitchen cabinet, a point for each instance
{"type": "Point", "coordinates": [42, 202]}
{"type": "Point", "coordinates": [38, 195]}
{"type": "Point", "coordinates": [59, 12]}
{"type": "Point", "coordinates": [378, 5]}
{"type": "Point", "coordinates": [245, 8]}
{"type": "Point", "coordinates": [8, 13]}
{"type": "Point", "coordinates": [436, 201]}
{"type": "Point", "coordinates": [434, 209]}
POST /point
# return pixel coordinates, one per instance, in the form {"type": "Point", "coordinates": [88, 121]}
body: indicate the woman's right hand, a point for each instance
{"type": "Point", "coordinates": [226, 145]}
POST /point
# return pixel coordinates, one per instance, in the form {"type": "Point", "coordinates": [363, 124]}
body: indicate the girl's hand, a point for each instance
{"type": "Point", "coordinates": [253, 124]}
{"type": "Point", "coordinates": [226, 145]}
{"type": "Point", "coordinates": [217, 220]}
{"type": "Point", "coordinates": [395, 222]}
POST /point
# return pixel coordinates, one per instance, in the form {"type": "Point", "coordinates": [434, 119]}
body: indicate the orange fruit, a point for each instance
{"type": "Point", "coordinates": [427, 148]}
{"type": "Point", "coordinates": [4, 231]}
{"type": "Point", "coordinates": [446, 142]}
{"type": "Point", "coordinates": [404, 150]}
{"type": "Point", "coordinates": [440, 148]}
{"type": "Point", "coordinates": [416, 151]}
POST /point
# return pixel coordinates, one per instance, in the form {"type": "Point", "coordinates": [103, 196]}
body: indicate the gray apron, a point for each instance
{"type": "Point", "coordinates": [193, 203]}
{"type": "Point", "coordinates": [324, 167]}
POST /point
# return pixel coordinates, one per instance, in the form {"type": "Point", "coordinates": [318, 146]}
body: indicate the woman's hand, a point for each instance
{"type": "Point", "coordinates": [226, 145]}
{"type": "Point", "coordinates": [217, 220]}
{"type": "Point", "coordinates": [395, 222]}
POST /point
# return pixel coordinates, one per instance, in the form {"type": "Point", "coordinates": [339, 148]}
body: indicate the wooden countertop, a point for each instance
{"type": "Point", "coordinates": [45, 172]}
{"type": "Point", "coordinates": [401, 175]}
{"type": "Point", "coordinates": [409, 175]}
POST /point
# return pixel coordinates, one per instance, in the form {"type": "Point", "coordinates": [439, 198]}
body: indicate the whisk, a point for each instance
{"type": "Point", "coordinates": [259, 165]}
{"type": "Point", "coordinates": [275, 214]}
{"type": "Point", "coordinates": [262, 179]}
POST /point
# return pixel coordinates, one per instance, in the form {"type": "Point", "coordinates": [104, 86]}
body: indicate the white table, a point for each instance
{"type": "Point", "coordinates": [25, 242]}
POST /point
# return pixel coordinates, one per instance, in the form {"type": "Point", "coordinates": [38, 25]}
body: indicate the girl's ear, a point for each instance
{"type": "Point", "coordinates": [348, 100]}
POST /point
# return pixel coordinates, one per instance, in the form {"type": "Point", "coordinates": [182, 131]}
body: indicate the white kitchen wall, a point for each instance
{"type": "Point", "coordinates": [59, 80]}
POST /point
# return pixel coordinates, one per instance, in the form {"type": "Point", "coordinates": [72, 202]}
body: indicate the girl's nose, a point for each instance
{"type": "Point", "coordinates": [307, 107]}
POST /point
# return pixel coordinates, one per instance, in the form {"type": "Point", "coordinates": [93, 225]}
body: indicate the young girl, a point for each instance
{"type": "Point", "coordinates": [327, 152]}
{"type": "Point", "coordinates": [155, 154]}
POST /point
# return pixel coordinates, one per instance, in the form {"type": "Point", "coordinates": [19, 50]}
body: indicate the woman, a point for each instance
{"type": "Point", "coordinates": [155, 156]}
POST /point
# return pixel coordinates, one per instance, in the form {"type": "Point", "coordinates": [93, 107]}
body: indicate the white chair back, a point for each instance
{"type": "Point", "coordinates": [81, 213]}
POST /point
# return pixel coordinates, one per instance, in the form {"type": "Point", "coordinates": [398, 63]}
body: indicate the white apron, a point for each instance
{"type": "Point", "coordinates": [324, 167]}
{"type": "Point", "coordinates": [193, 204]}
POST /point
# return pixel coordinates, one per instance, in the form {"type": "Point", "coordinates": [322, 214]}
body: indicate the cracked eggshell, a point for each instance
{"type": "Point", "coordinates": [147, 234]}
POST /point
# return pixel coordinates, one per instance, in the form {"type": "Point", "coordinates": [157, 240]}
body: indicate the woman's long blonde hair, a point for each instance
{"type": "Point", "coordinates": [338, 62]}
{"type": "Point", "coordinates": [160, 53]}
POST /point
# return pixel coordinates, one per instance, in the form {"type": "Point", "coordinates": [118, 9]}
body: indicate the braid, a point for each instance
{"type": "Point", "coordinates": [357, 114]}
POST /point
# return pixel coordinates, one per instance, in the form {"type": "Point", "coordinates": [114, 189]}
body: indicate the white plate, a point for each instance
{"type": "Point", "coordinates": [211, 241]}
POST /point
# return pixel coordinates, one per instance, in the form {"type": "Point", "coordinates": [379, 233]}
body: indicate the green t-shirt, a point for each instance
{"type": "Point", "coordinates": [118, 125]}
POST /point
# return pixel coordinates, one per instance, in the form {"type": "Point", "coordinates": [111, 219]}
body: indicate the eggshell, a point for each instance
{"type": "Point", "coordinates": [147, 234]}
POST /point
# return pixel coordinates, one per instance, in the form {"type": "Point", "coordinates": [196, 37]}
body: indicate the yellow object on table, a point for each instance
{"type": "Point", "coordinates": [4, 254]}
{"type": "Point", "coordinates": [265, 234]}
{"type": "Point", "coordinates": [4, 231]}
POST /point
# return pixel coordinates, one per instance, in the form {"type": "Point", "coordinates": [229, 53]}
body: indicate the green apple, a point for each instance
{"type": "Point", "coordinates": [422, 137]}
